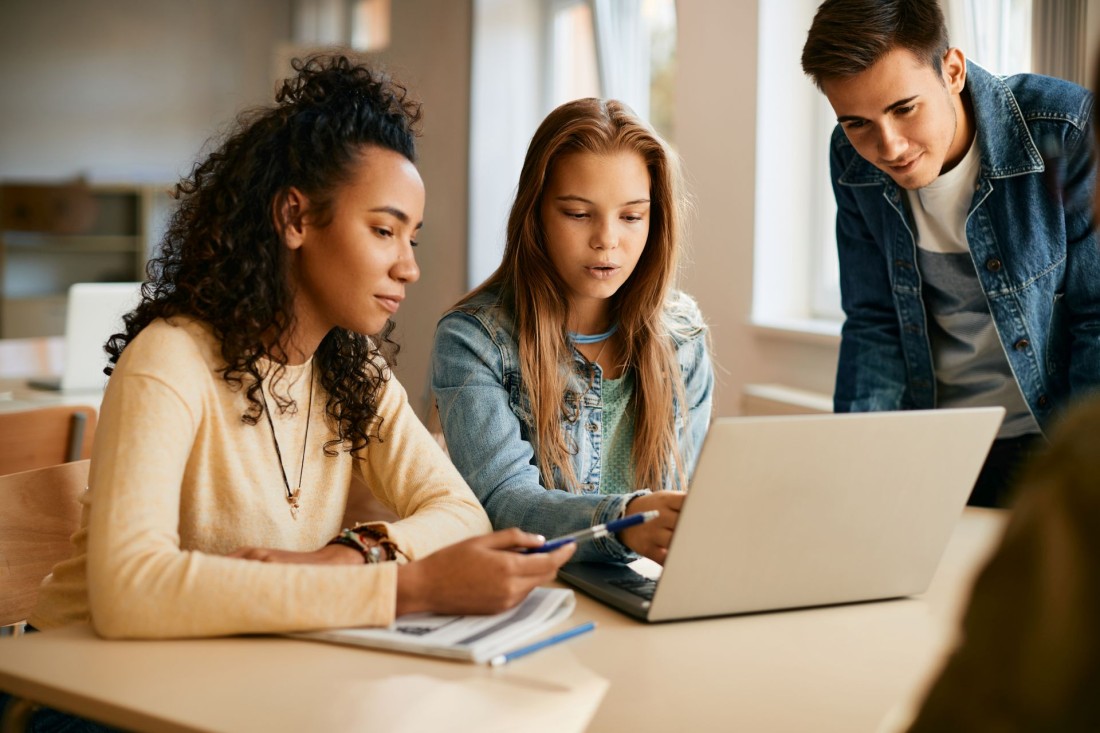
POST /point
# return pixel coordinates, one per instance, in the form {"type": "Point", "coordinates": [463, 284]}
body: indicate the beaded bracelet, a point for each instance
{"type": "Point", "coordinates": [371, 553]}
{"type": "Point", "coordinates": [379, 536]}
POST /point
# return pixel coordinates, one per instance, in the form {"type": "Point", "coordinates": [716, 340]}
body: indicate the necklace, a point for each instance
{"type": "Point", "coordinates": [596, 358]}
{"type": "Point", "coordinates": [291, 496]}
{"type": "Point", "coordinates": [595, 338]}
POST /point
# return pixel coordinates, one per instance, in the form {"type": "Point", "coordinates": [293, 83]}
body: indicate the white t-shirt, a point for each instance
{"type": "Point", "coordinates": [971, 367]}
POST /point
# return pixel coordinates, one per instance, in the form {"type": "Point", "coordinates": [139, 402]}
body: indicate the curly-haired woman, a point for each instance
{"type": "Point", "coordinates": [250, 399]}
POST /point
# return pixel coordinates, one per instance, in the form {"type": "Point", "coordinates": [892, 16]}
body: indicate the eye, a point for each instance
{"type": "Point", "coordinates": [578, 215]}
{"type": "Point", "coordinates": [384, 232]}
{"type": "Point", "coordinates": [854, 124]}
{"type": "Point", "coordinates": [901, 111]}
{"type": "Point", "coordinates": [633, 218]}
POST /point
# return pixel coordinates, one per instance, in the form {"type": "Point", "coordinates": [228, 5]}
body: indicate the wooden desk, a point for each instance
{"type": "Point", "coordinates": [22, 360]}
{"type": "Point", "coordinates": [16, 395]}
{"type": "Point", "coordinates": [32, 357]}
{"type": "Point", "coordinates": [846, 669]}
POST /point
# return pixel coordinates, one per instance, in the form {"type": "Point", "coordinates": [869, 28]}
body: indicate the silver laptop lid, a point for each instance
{"type": "Point", "coordinates": [94, 313]}
{"type": "Point", "coordinates": [807, 510]}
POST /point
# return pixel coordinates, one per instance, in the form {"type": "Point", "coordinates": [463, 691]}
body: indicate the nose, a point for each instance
{"type": "Point", "coordinates": [405, 269]}
{"type": "Point", "coordinates": [606, 234]}
{"type": "Point", "coordinates": [891, 143]}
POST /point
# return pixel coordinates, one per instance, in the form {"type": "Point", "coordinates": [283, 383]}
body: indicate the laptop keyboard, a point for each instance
{"type": "Point", "coordinates": [639, 586]}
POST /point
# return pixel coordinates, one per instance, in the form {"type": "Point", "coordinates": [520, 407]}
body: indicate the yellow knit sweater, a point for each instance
{"type": "Point", "coordinates": [178, 480]}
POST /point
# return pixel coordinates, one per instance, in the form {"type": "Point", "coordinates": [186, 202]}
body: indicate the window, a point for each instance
{"type": "Point", "coordinates": [572, 67]}
{"type": "Point", "coordinates": [532, 55]}
{"type": "Point", "coordinates": [796, 273]}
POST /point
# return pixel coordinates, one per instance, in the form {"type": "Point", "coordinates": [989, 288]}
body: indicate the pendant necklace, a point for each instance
{"type": "Point", "coordinates": [291, 496]}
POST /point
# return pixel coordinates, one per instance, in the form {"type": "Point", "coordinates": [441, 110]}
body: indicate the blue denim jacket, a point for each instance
{"type": "Point", "coordinates": [486, 419]}
{"type": "Point", "coordinates": [1030, 233]}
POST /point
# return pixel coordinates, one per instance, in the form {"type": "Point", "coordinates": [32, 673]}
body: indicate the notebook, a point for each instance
{"type": "Point", "coordinates": [93, 314]}
{"type": "Point", "coordinates": [808, 510]}
{"type": "Point", "coordinates": [467, 638]}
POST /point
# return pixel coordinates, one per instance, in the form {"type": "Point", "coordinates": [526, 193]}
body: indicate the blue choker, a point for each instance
{"type": "Point", "coordinates": [582, 338]}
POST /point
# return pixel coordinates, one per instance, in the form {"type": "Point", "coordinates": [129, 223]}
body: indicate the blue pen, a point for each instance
{"type": "Point", "coordinates": [599, 530]}
{"type": "Point", "coordinates": [523, 651]}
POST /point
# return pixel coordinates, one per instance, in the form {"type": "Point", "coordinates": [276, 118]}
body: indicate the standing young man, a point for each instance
{"type": "Point", "coordinates": [969, 270]}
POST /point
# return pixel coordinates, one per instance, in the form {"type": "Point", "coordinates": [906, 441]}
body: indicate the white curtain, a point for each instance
{"type": "Point", "coordinates": [1058, 39]}
{"type": "Point", "coordinates": [993, 33]}
{"type": "Point", "coordinates": [318, 23]}
{"type": "Point", "coordinates": [622, 52]}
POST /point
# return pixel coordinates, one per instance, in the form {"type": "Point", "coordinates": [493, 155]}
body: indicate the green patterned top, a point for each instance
{"type": "Point", "coordinates": [616, 465]}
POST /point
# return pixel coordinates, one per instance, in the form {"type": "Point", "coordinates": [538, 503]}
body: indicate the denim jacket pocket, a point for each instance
{"type": "Point", "coordinates": [518, 400]}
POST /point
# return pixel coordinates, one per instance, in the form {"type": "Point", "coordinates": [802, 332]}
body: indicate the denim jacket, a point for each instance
{"type": "Point", "coordinates": [1029, 227]}
{"type": "Point", "coordinates": [484, 410]}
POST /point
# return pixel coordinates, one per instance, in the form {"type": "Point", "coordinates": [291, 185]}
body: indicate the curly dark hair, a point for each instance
{"type": "Point", "coordinates": [222, 260]}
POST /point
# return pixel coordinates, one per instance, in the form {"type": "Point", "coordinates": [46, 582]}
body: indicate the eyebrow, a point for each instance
{"type": "Point", "coordinates": [396, 213]}
{"type": "Point", "coordinates": [583, 200]}
{"type": "Point", "coordinates": [889, 108]}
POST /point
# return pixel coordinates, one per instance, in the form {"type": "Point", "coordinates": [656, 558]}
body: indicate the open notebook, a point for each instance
{"type": "Point", "coordinates": [468, 638]}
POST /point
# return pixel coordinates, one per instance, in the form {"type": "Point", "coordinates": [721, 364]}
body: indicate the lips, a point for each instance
{"type": "Point", "coordinates": [390, 302]}
{"type": "Point", "coordinates": [904, 167]}
{"type": "Point", "coordinates": [603, 270]}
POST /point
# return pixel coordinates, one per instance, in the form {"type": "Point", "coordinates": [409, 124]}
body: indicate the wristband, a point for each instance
{"type": "Point", "coordinates": [383, 539]}
{"type": "Point", "coordinates": [372, 554]}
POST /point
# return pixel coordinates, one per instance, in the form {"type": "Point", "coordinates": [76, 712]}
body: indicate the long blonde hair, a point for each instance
{"type": "Point", "coordinates": [529, 285]}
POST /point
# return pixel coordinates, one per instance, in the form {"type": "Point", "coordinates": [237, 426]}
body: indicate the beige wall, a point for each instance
{"type": "Point", "coordinates": [128, 90]}
{"type": "Point", "coordinates": [430, 50]}
{"type": "Point", "coordinates": [716, 119]}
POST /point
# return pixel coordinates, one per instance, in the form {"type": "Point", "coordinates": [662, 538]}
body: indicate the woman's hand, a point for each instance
{"type": "Point", "coordinates": [480, 575]}
{"type": "Point", "coordinates": [652, 538]}
{"type": "Point", "coordinates": [327, 555]}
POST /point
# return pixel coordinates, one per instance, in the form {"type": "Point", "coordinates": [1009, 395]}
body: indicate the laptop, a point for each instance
{"type": "Point", "coordinates": [93, 314]}
{"type": "Point", "coordinates": [808, 510]}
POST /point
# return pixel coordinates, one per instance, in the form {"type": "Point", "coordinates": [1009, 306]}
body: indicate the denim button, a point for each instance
{"type": "Point", "coordinates": [592, 427]}
{"type": "Point", "coordinates": [1043, 400]}
{"type": "Point", "coordinates": [993, 264]}
{"type": "Point", "coordinates": [1022, 344]}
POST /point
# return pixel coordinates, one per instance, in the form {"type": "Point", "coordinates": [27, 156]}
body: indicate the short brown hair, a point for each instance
{"type": "Point", "coordinates": [848, 36]}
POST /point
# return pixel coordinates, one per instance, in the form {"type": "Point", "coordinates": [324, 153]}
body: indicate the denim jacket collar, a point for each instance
{"type": "Point", "coordinates": [1005, 145]}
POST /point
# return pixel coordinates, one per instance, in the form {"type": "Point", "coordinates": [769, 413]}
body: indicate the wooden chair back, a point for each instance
{"type": "Point", "coordinates": [39, 512]}
{"type": "Point", "coordinates": [45, 436]}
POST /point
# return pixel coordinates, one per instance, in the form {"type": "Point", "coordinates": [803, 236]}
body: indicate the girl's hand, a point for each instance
{"type": "Point", "coordinates": [327, 555]}
{"type": "Point", "coordinates": [652, 538]}
{"type": "Point", "coordinates": [478, 576]}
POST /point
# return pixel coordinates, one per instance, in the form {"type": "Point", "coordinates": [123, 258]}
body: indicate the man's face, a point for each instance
{"type": "Point", "coordinates": [903, 118]}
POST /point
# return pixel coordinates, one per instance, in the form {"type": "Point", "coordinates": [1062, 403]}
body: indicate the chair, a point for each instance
{"type": "Point", "coordinates": [45, 436]}
{"type": "Point", "coordinates": [39, 512]}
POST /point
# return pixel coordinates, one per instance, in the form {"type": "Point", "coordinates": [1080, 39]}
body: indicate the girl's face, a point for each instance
{"type": "Point", "coordinates": [595, 215]}
{"type": "Point", "coordinates": [352, 272]}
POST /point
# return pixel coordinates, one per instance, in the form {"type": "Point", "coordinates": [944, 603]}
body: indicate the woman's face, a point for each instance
{"type": "Point", "coordinates": [352, 271]}
{"type": "Point", "coordinates": [595, 216]}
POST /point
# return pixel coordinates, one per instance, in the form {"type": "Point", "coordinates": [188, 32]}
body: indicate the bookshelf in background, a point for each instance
{"type": "Point", "coordinates": [55, 234]}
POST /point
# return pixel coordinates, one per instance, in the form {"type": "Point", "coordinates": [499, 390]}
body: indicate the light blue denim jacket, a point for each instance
{"type": "Point", "coordinates": [485, 414]}
{"type": "Point", "coordinates": [1030, 233]}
